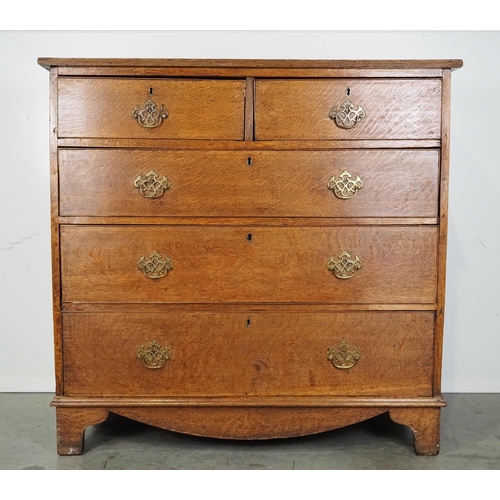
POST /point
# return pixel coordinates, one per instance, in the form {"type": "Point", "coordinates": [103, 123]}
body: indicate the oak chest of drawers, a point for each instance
{"type": "Point", "coordinates": [249, 249]}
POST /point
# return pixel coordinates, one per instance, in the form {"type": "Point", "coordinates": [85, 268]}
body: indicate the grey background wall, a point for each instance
{"type": "Point", "coordinates": [472, 327]}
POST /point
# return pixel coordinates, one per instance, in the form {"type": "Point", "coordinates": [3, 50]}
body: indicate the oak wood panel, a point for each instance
{"type": "Point", "coordinates": [249, 108]}
{"type": "Point", "coordinates": [215, 354]}
{"type": "Point", "coordinates": [243, 307]}
{"type": "Point", "coordinates": [113, 402]}
{"type": "Point", "coordinates": [251, 72]}
{"type": "Point", "coordinates": [249, 423]}
{"type": "Point", "coordinates": [425, 425]}
{"type": "Point", "coordinates": [397, 183]}
{"type": "Point", "coordinates": [54, 230]}
{"type": "Point", "coordinates": [197, 109]}
{"type": "Point", "coordinates": [443, 230]}
{"type": "Point", "coordinates": [395, 109]}
{"type": "Point", "coordinates": [219, 264]}
{"type": "Point", "coordinates": [71, 425]}
{"type": "Point", "coordinates": [314, 145]}
{"type": "Point", "coordinates": [254, 221]}
{"type": "Point", "coordinates": [224, 423]}
{"type": "Point", "coordinates": [250, 63]}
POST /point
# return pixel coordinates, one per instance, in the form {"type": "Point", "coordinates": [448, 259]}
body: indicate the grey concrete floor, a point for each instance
{"type": "Point", "coordinates": [470, 439]}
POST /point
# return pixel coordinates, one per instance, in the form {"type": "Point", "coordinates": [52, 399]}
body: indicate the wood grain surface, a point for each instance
{"type": "Point", "coordinates": [220, 264]}
{"type": "Point", "coordinates": [197, 109]}
{"type": "Point", "coordinates": [395, 109]}
{"type": "Point", "coordinates": [247, 145]}
{"type": "Point", "coordinates": [143, 63]}
{"type": "Point", "coordinates": [443, 230]}
{"type": "Point", "coordinates": [71, 425]}
{"type": "Point", "coordinates": [425, 424]}
{"type": "Point", "coordinates": [227, 354]}
{"type": "Point", "coordinates": [54, 231]}
{"type": "Point", "coordinates": [249, 423]}
{"type": "Point", "coordinates": [322, 401]}
{"type": "Point", "coordinates": [226, 72]}
{"type": "Point", "coordinates": [249, 308]}
{"type": "Point", "coordinates": [240, 307]}
{"type": "Point", "coordinates": [396, 183]}
{"type": "Point", "coordinates": [250, 221]}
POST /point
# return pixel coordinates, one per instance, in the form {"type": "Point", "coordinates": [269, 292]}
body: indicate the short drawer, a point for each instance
{"type": "Point", "coordinates": [192, 264]}
{"type": "Point", "coordinates": [144, 108]}
{"type": "Point", "coordinates": [343, 183]}
{"type": "Point", "coordinates": [347, 109]}
{"type": "Point", "coordinates": [231, 354]}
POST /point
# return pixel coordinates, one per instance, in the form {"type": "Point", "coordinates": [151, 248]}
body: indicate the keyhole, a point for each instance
{"type": "Point", "coordinates": [249, 237]}
{"type": "Point", "coordinates": [150, 90]}
{"type": "Point", "coordinates": [249, 160]}
{"type": "Point", "coordinates": [248, 322]}
{"type": "Point", "coordinates": [348, 91]}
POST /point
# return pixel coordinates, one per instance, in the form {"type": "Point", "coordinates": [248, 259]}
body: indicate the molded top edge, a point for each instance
{"type": "Point", "coordinates": [48, 62]}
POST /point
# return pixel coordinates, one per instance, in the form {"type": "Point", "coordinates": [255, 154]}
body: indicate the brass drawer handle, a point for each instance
{"type": "Point", "coordinates": [152, 186]}
{"type": "Point", "coordinates": [344, 187]}
{"type": "Point", "coordinates": [155, 266]}
{"type": "Point", "coordinates": [343, 267]}
{"type": "Point", "coordinates": [148, 116]}
{"type": "Point", "coordinates": [153, 356]}
{"type": "Point", "coordinates": [345, 357]}
{"type": "Point", "coordinates": [346, 116]}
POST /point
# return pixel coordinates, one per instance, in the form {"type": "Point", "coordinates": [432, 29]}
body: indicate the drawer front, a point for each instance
{"type": "Point", "coordinates": [345, 183]}
{"type": "Point", "coordinates": [192, 264]}
{"type": "Point", "coordinates": [219, 354]}
{"type": "Point", "coordinates": [316, 109]}
{"type": "Point", "coordinates": [121, 108]}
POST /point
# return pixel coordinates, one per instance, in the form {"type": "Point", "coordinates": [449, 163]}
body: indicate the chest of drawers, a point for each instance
{"type": "Point", "coordinates": [248, 249]}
